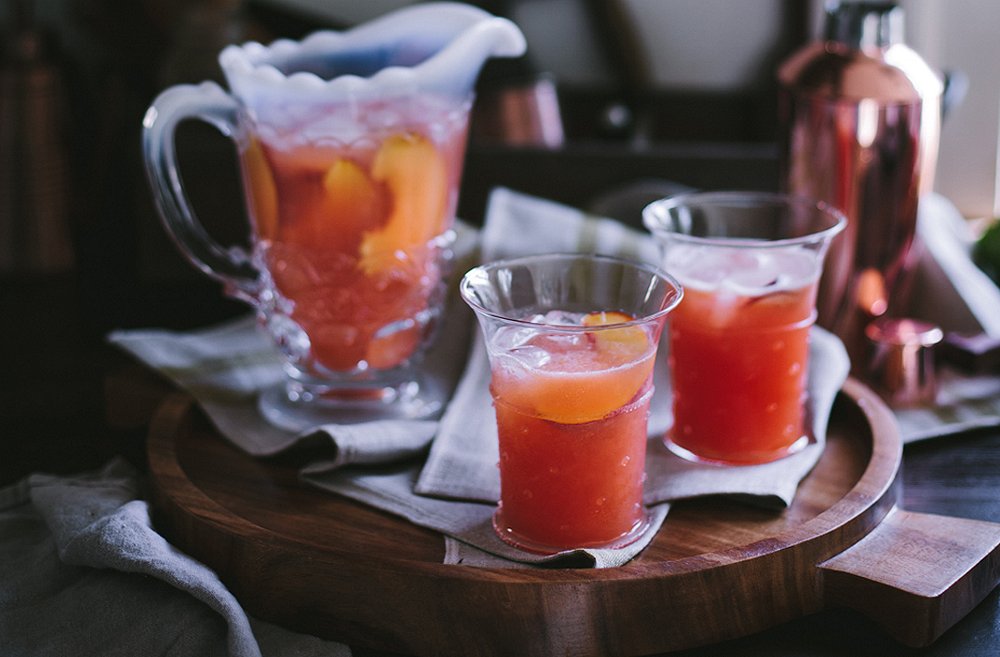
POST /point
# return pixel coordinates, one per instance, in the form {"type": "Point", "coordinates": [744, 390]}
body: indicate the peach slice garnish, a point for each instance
{"type": "Point", "coordinates": [263, 192]}
{"type": "Point", "coordinates": [417, 177]}
{"type": "Point", "coordinates": [573, 398]}
{"type": "Point", "coordinates": [605, 317]}
{"type": "Point", "coordinates": [621, 344]}
{"type": "Point", "coordinates": [601, 379]}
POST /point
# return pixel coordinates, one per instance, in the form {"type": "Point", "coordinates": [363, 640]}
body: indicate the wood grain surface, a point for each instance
{"type": "Point", "coordinates": [718, 569]}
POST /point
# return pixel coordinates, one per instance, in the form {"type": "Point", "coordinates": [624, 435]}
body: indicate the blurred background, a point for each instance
{"type": "Point", "coordinates": [614, 91]}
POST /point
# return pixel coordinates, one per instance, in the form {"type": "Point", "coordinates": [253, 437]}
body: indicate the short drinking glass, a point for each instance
{"type": "Point", "coordinates": [571, 341]}
{"type": "Point", "coordinates": [749, 263]}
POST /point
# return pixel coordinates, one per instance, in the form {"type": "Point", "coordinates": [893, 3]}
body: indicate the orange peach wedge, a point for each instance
{"type": "Point", "coordinates": [354, 202]}
{"type": "Point", "coordinates": [573, 397]}
{"type": "Point", "coordinates": [263, 194]}
{"type": "Point", "coordinates": [336, 212]}
{"type": "Point", "coordinates": [621, 361]}
{"type": "Point", "coordinates": [621, 344]}
{"type": "Point", "coordinates": [417, 178]}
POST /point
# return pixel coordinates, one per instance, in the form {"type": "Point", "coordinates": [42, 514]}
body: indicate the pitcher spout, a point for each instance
{"type": "Point", "coordinates": [469, 37]}
{"type": "Point", "coordinates": [437, 47]}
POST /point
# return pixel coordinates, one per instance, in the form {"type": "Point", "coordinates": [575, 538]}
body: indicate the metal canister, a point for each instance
{"type": "Point", "coordinates": [860, 116]}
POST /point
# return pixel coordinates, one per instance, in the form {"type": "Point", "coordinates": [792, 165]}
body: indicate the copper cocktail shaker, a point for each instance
{"type": "Point", "coordinates": [860, 116]}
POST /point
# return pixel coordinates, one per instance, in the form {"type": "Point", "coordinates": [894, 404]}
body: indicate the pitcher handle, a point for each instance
{"type": "Point", "coordinates": [210, 103]}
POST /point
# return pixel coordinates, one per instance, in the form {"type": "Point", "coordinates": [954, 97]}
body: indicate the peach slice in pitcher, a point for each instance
{"type": "Point", "coordinates": [392, 349]}
{"type": "Point", "coordinates": [417, 178]}
{"type": "Point", "coordinates": [262, 193]}
{"type": "Point", "coordinates": [336, 210]}
{"type": "Point", "coordinates": [354, 201]}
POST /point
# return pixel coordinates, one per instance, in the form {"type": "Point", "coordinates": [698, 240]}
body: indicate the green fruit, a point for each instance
{"type": "Point", "coordinates": [986, 252]}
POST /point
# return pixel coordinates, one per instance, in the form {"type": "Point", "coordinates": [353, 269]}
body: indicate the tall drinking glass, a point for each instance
{"type": "Point", "coordinates": [750, 263]}
{"type": "Point", "coordinates": [571, 341]}
{"type": "Point", "coordinates": [350, 146]}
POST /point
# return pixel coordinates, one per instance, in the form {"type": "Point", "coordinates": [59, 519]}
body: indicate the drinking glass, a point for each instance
{"type": "Point", "coordinates": [571, 341]}
{"type": "Point", "coordinates": [739, 342]}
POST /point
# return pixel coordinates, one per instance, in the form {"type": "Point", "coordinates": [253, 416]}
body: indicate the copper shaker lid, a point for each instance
{"type": "Point", "coordinates": [852, 61]}
{"type": "Point", "coordinates": [863, 24]}
{"type": "Point", "coordinates": [902, 365]}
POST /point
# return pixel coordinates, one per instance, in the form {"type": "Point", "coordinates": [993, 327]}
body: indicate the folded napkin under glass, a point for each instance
{"type": "Point", "coordinates": [454, 489]}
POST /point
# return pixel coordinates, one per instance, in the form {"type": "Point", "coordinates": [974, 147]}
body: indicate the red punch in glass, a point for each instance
{"type": "Point", "coordinates": [739, 342]}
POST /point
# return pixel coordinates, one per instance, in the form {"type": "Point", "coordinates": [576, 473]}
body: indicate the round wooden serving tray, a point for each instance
{"type": "Point", "coordinates": [323, 564]}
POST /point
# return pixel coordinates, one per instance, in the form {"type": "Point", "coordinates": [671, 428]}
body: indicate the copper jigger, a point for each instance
{"type": "Point", "coordinates": [902, 365]}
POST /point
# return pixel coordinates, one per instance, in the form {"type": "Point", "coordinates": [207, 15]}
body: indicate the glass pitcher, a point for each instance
{"type": "Point", "coordinates": [350, 147]}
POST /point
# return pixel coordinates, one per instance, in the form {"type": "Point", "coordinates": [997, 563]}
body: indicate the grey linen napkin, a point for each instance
{"type": "Point", "coordinates": [958, 296]}
{"type": "Point", "coordinates": [461, 467]}
{"type": "Point", "coordinates": [83, 572]}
